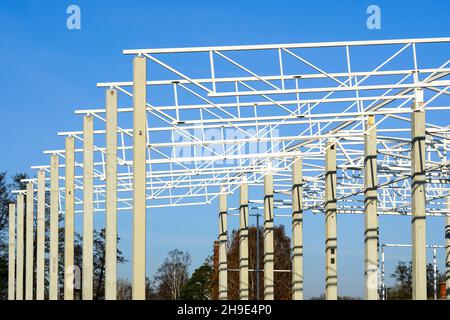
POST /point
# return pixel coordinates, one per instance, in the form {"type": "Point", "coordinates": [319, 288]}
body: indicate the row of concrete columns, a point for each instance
{"type": "Point", "coordinates": [139, 215]}
{"type": "Point", "coordinates": [16, 250]}
{"type": "Point", "coordinates": [16, 235]}
{"type": "Point", "coordinates": [371, 231]}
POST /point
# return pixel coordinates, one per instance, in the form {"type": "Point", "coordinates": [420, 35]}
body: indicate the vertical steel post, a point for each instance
{"type": "Point", "coordinates": [383, 283]}
{"type": "Point", "coordinates": [29, 249]}
{"type": "Point", "coordinates": [370, 210]}
{"type": "Point", "coordinates": [268, 236]}
{"type": "Point", "coordinates": [54, 227]}
{"type": "Point", "coordinates": [258, 266]}
{"type": "Point", "coordinates": [139, 176]}
{"type": "Point", "coordinates": [12, 251]}
{"type": "Point", "coordinates": [297, 229]}
{"type": "Point", "coordinates": [223, 238]}
{"type": "Point", "coordinates": [40, 234]}
{"type": "Point", "coordinates": [447, 250]}
{"type": "Point", "coordinates": [243, 240]}
{"type": "Point", "coordinates": [111, 195]}
{"type": "Point", "coordinates": [20, 245]}
{"type": "Point", "coordinates": [419, 270]}
{"type": "Point", "coordinates": [331, 290]}
{"type": "Point", "coordinates": [69, 268]}
{"type": "Point", "coordinates": [434, 273]}
{"type": "Point", "coordinates": [88, 207]}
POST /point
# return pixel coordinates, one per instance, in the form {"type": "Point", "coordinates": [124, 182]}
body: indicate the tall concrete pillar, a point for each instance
{"type": "Point", "coordinates": [419, 259]}
{"type": "Point", "coordinates": [88, 207]}
{"type": "Point", "coordinates": [40, 235]}
{"type": "Point", "coordinates": [54, 228]}
{"type": "Point", "coordinates": [223, 239]}
{"type": "Point", "coordinates": [243, 241]}
{"type": "Point", "coordinates": [20, 244]}
{"type": "Point", "coordinates": [29, 246]}
{"type": "Point", "coordinates": [370, 211]}
{"type": "Point", "coordinates": [111, 195]}
{"type": "Point", "coordinates": [268, 237]}
{"type": "Point", "coordinates": [12, 252]}
{"type": "Point", "coordinates": [447, 250]}
{"type": "Point", "coordinates": [331, 291]}
{"type": "Point", "coordinates": [139, 176]}
{"type": "Point", "coordinates": [69, 267]}
{"type": "Point", "coordinates": [297, 230]}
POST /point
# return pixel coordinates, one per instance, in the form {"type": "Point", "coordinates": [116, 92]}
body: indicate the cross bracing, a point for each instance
{"type": "Point", "coordinates": [229, 116]}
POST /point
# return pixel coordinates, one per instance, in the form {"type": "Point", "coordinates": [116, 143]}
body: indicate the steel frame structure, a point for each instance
{"type": "Point", "coordinates": [205, 119]}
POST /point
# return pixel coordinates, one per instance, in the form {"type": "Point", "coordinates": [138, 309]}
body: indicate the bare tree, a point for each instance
{"type": "Point", "coordinates": [123, 289]}
{"type": "Point", "coordinates": [172, 275]}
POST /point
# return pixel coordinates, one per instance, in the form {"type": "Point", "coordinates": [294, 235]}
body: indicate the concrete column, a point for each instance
{"type": "Point", "coordinates": [297, 230]}
{"type": "Point", "coordinates": [447, 250]}
{"type": "Point", "coordinates": [243, 241]}
{"type": "Point", "coordinates": [111, 195]}
{"type": "Point", "coordinates": [88, 207]}
{"type": "Point", "coordinates": [268, 237]}
{"type": "Point", "coordinates": [20, 244]}
{"type": "Point", "coordinates": [370, 211]}
{"type": "Point", "coordinates": [54, 227]}
{"type": "Point", "coordinates": [69, 268]}
{"type": "Point", "coordinates": [331, 291]}
{"type": "Point", "coordinates": [139, 176]}
{"type": "Point", "coordinates": [419, 259]}
{"type": "Point", "coordinates": [40, 234]}
{"type": "Point", "coordinates": [223, 238]}
{"type": "Point", "coordinates": [29, 246]}
{"type": "Point", "coordinates": [12, 251]}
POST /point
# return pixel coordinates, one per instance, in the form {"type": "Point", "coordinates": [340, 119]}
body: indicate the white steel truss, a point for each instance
{"type": "Point", "coordinates": [216, 114]}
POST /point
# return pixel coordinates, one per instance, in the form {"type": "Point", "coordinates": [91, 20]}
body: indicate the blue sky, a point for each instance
{"type": "Point", "coordinates": [47, 71]}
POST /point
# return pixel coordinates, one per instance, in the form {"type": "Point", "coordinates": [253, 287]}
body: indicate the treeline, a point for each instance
{"type": "Point", "coordinates": [172, 280]}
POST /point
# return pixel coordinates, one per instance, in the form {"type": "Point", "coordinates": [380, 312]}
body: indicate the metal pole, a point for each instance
{"type": "Point", "coordinates": [330, 222]}
{"type": "Point", "coordinates": [29, 250]}
{"type": "Point", "coordinates": [434, 273]}
{"type": "Point", "coordinates": [223, 238]}
{"type": "Point", "coordinates": [447, 251]}
{"type": "Point", "coordinates": [54, 227]}
{"type": "Point", "coordinates": [243, 241]}
{"type": "Point", "coordinates": [88, 207]}
{"type": "Point", "coordinates": [370, 211]}
{"type": "Point", "coordinates": [20, 244]}
{"type": "Point", "coordinates": [268, 235]}
{"type": "Point", "coordinates": [69, 268]}
{"type": "Point", "coordinates": [418, 182]}
{"type": "Point", "coordinates": [383, 284]}
{"type": "Point", "coordinates": [258, 271]}
{"type": "Point", "coordinates": [297, 230]}
{"type": "Point", "coordinates": [40, 234]}
{"type": "Point", "coordinates": [111, 195]}
{"type": "Point", "coordinates": [139, 176]}
{"type": "Point", "coordinates": [11, 251]}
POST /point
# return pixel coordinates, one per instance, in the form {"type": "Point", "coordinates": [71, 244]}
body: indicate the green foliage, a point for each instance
{"type": "Point", "coordinates": [402, 290]}
{"type": "Point", "coordinates": [198, 286]}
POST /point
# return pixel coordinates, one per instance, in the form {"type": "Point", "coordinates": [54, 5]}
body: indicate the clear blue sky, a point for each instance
{"type": "Point", "coordinates": [47, 71]}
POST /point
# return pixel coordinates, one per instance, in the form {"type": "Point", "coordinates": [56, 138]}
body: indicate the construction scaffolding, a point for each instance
{"type": "Point", "coordinates": [347, 135]}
